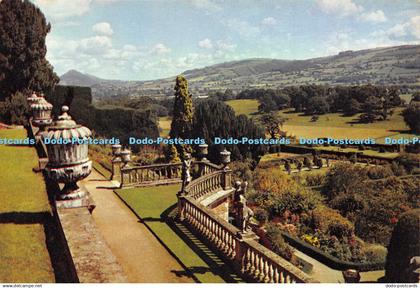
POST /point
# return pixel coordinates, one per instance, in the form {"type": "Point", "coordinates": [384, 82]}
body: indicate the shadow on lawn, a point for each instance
{"type": "Point", "coordinates": [25, 217]}
{"type": "Point", "coordinates": [55, 241]}
{"type": "Point", "coordinates": [217, 265]}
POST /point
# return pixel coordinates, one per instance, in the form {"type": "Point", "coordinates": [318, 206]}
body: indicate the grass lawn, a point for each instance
{"type": "Point", "coordinates": [21, 190]}
{"type": "Point", "coordinates": [334, 125]}
{"type": "Point", "coordinates": [101, 169]}
{"type": "Point", "coordinates": [165, 125]}
{"type": "Point", "coordinates": [23, 253]}
{"type": "Point", "coordinates": [244, 106]}
{"type": "Point", "coordinates": [149, 203]}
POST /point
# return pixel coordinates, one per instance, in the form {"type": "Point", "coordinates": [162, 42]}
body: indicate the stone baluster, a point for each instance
{"type": "Point", "coordinates": [116, 162]}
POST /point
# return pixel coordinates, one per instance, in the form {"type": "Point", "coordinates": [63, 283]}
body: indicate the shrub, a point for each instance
{"type": "Point", "coordinates": [261, 215]}
{"type": "Point", "coordinates": [404, 244]}
{"type": "Point", "coordinates": [278, 244]}
{"type": "Point", "coordinates": [343, 178]}
{"type": "Point", "coordinates": [314, 179]}
{"type": "Point", "coordinates": [278, 192]}
{"type": "Point", "coordinates": [348, 204]}
{"type": "Point", "coordinates": [14, 110]}
{"type": "Point", "coordinates": [379, 172]}
{"type": "Point", "coordinates": [375, 253]}
{"type": "Point", "coordinates": [330, 222]}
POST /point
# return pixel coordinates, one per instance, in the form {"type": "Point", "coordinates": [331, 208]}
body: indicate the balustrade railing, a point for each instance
{"type": "Point", "coordinates": [251, 259]}
{"type": "Point", "coordinates": [162, 173]}
{"type": "Point", "coordinates": [131, 176]}
{"type": "Point", "coordinates": [205, 185]}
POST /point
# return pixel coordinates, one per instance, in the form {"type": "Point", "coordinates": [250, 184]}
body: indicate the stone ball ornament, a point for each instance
{"type": "Point", "coordinates": [68, 160]}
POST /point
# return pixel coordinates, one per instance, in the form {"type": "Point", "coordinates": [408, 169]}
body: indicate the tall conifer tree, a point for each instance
{"type": "Point", "coordinates": [23, 66]}
{"type": "Point", "coordinates": [182, 117]}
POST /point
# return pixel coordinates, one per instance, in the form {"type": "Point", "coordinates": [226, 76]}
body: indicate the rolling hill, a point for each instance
{"type": "Point", "coordinates": [399, 65]}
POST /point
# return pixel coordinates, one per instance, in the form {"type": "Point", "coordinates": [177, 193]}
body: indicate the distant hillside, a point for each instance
{"type": "Point", "coordinates": [76, 78]}
{"type": "Point", "coordinates": [398, 65]}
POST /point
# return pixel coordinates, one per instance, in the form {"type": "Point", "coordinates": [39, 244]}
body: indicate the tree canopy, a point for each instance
{"type": "Point", "coordinates": [23, 66]}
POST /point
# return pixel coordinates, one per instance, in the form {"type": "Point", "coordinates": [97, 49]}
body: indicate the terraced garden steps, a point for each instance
{"type": "Point", "coordinates": [156, 208]}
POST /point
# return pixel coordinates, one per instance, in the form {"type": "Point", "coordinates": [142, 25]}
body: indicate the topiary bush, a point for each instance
{"type": "Point", "coordinates": [404, 244]}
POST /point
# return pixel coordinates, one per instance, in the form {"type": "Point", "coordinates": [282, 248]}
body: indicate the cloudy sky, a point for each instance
{"type": "Point", "coordinates": [149, 39]}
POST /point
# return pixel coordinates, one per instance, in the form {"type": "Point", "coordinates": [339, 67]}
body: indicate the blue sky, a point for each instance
{"type": "Point", "coordinates": [150, 39]}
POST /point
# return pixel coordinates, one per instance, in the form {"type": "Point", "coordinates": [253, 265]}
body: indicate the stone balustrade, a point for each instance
{"type": "Point", "coordinates": [162, 173]}
{"type": "Point", "coordinates": [143, 175]}
{"type": "Point", "coordinates": [249, 258]}
{"type": "Point", "coordinates": [205, 185]}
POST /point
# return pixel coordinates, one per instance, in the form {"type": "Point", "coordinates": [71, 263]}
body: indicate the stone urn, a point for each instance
{"type": "Point", "coordinates": [125, 157]}
{"type": "Point", "coordinates": [202, 152]}
{"type": "Point", "coordinates": [41, 113]}
{"type": "Point", "coordinates": [351, 276]}
{"type": "Point", "coordinates": [68, 160]}
{"type": "Point", "coordinates": [33, 98]}
{"type": "Point", "coordinates": [225, 157]}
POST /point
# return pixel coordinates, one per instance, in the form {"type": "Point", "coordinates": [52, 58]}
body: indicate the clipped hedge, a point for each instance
{"type": "Point", "coordinates": [327, 259]}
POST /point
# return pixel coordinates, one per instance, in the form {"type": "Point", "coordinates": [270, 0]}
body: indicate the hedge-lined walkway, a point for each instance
{"type": "Point", "coordinates": [23, 206]}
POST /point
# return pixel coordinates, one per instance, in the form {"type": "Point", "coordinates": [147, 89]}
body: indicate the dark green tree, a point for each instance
{"type": "Point", "coordinates": [352, 107]}
{"type": "Point", "coordinates": [182, 114]}
{"type": "Point", "coordinates": [214, 118]}
{"type": "Point", "coordinates": [273, 124]}
{"type": "Point", "coordinates": [14, 109]}
{"type": "Point", "coordinates": [23, 66]}
{"type": "Point", "coordinates": [317, 105]}
{"type": "Point", "coordinates": [372, 108]}
{"type": "Point", "coordinates": [404, 244]}
{"type": "Point", "coordinates": [412, 117]}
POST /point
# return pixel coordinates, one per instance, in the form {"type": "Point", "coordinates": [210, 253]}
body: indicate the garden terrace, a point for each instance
{"type": "Point", "coordinates": [24, 211]}
{"type": "Point", "coordinates": [212, 186]}
{"type": "Point", "coordinates": [161, 174]}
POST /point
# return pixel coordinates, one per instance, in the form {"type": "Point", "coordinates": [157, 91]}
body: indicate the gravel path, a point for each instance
{"type": "Point", "coordinates": [142, 257]}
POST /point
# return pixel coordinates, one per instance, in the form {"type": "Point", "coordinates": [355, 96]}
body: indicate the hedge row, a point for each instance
{"type": "Point", "coordinates": [327, 259]}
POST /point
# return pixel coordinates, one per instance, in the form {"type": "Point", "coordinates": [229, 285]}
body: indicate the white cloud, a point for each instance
{"type": "Point", "coordinates": [242, 27]}
{"type": "Point", "coordinates": [225, 46]}
{"type": "Point", "coordinates": [62, 9]}
{"type": "Point", "coordinates": [415, 26]}
{"type": "Point", "coordinates": [205, 44]}
{"type": "Point", "coordinates": [398, 30]}
{"type": "Point", "coordinates": [160, 49]}
{"type": "Point", "coordinates": [95, 45]}
{"type": "Point", "coordinates": [103, 28]}
{"type": "Point", "coordinates": [207, 5]}
{"type": "Point", "coordinates": [342, 41]}
{"type": "Point", "coordinates": [340, 8]}
{"type": "Point", "coordinates": [377, 16]}
{"type": "Point", "coordinates": [269, 21]}
{"type": "Point", "coordinates": [411, 27]}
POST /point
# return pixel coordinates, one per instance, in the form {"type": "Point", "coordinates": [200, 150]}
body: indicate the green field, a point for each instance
{"type": "Point", "coordinates": [333, 125]}
{"type": "Point", "coordinates": [152, 204]}
{"type": "Point", "coordinates": [23, 253]}
{"type": "Point", "coordinates": [165, 125]}
{"type": "Point", "coordinates": [247, 107]}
